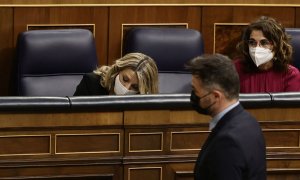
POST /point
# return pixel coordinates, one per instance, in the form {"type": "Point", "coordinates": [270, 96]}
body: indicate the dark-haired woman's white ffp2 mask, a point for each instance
{"type": "Point", "coordinates": [260, 55]}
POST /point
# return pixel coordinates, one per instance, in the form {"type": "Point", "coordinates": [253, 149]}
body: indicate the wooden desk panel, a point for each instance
{"type": "Point", "coordinates": [55, 145]}
{"type": "Point", "coordinates": [125, 143]}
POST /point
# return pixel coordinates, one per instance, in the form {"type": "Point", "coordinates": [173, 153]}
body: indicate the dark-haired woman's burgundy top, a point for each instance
{"type": "Point", "coordinates": [268, 81]}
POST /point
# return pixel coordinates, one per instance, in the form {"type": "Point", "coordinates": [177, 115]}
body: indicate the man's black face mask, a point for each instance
{"type": "Point", "coordinates": [195, 100]}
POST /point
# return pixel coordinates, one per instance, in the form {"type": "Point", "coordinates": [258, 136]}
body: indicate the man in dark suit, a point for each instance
{"type": "Point", "coordinates": [235, 148]}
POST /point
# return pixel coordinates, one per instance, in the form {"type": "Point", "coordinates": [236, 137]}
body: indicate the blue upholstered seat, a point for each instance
{"type": "Point", "coordinates": [295, 33]}
{"type": "Point", "coordinates": [170, 48]}
{"type": "Point", "coordinates": [52, 62]}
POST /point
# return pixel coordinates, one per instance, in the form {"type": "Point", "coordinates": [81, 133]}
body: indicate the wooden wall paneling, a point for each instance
{"type": "Point", "coordinates": [144, 171]}
{"type": "Point", "coordinates": [163, 146]}
{"type": "Point", "coordinates": [67, 15]}
{"type": "Point", "coordinates": [281, 128]}
{"type": "Point", "coordinates": [25, 145]}
{"type": "Point", "coordinates": [46, 120]}
{"type": "Point", "coordinates": [211, 15]}
{"type": "Point", "coordinates": [286, 140]}
{"type": "Point", "coordinates": [141, 142]}
{"type": "Point", "coordinates": [96, 143]}
{"type": "Point", "coordinates": [75, 171]}
{"type": "Point", "coordinates": [144, 15]}
{"type": "Point", "coordinates": [102, 142]}
{"type": "Point", "coordinates": [188, 117]}
{"type": "Point", "coordinates": [297, 18]}
{"type": "Point", "coordinates": [186, 140]}
{"type": "Point", "coordinates": [281, 140]}
{"type": "Point", "coordinates": [146, 117]}
{"type": "Point", "coordinates": [167, 117]}
{"type": "Point", "coordinates": [180, 171]}
{"type": "Point", "coordinates": [283, 168]}
{"type": "Point", "coordinates": [261, 2]}
{"type": "Point", "coordinates": [151, 141]}
{"type": "Point", "coordinates": [275, 114]}
{"type": "Point", "coordinates": [24, 16]}
{"type": "Point", "coordinates": [89, 15]}
{"type": "Point", "coordinates": [6, 51]}
{"type": "Point", "coordinates": [64, 145]}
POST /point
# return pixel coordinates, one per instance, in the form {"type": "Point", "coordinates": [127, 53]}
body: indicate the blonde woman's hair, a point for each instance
{"type": "Point", "coordinates": [143, 65]}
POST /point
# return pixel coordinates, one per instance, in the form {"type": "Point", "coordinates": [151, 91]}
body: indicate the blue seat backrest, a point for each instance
{"type": "Point", "coordinates": [52, 62]}
{"type": "Point", "coordinates": [170, 48]}
{"type": "Point", "coordinates": [295, 34]}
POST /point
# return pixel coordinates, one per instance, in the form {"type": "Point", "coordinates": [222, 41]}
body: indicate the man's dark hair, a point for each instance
{"type": "Point", "coordinates": [216, 72]}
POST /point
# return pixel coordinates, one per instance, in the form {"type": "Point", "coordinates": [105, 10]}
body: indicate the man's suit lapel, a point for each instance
{"type": "Point", "coordinates": [224, 120]}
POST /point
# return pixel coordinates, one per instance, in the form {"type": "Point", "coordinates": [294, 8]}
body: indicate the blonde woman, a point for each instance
{"type": "Point", "coordinates": [134, 73]}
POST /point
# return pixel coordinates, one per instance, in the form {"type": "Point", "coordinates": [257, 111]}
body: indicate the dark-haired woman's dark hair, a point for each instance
{"type": "Point", "coordinates": [276, 34]}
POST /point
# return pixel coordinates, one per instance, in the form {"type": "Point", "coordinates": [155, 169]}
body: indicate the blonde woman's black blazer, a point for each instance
{"type": "Point", "coordinates": [90, 86]}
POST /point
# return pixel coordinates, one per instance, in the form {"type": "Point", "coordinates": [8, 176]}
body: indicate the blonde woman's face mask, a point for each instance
{"type": "Point", "coordinates": [126, 83]}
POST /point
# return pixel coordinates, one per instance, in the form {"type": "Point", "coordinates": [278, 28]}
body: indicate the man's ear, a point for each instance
{"type": "Point", "coordinates": [217, 94]}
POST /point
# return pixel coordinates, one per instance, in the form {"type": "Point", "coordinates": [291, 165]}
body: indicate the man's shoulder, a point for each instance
{"type": "Point", "coordinates": [240, 119]}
